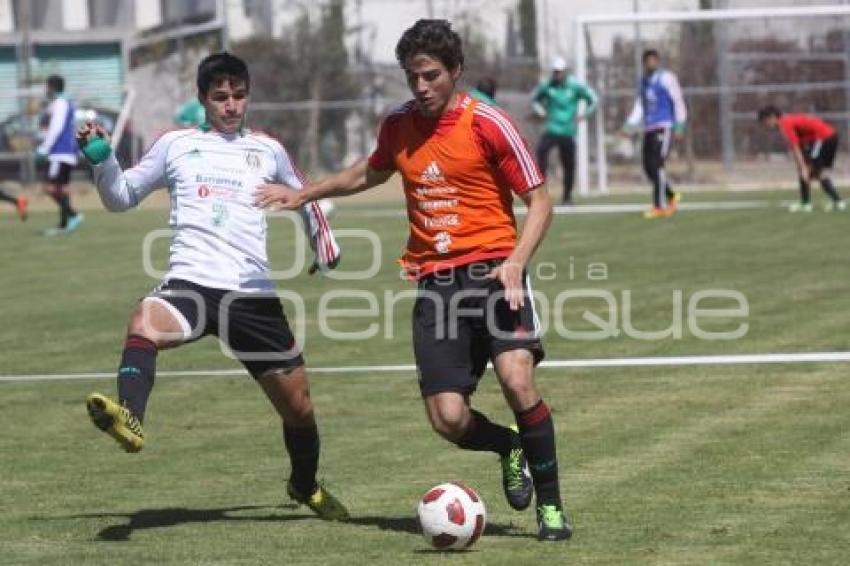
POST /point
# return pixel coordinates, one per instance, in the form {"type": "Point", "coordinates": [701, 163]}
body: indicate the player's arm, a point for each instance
{"type": "Point", "coordinates": [58, 115]}
{"type": "Point", "coordinates": [361, 176]}
{"type": "Point", "coordinates": [538, 101]}
{"type": "Point", "coordinates": [352, 180]}
{"type": "Point", "coordinates": [590, 98]}
{"type": "Point", "coordinates": [121, 190]}
{"type": "Point", "coordinates": [793, 141]}
{"type": "Point", "coordinates": [680, 109]}
{"type": "Point", "coordinates": [536, 224]}
{"type": "Point", "coordinates": [316, 225]}
{"type": "Point", "coordinates": [508, 153]}
{"type": "Point", "coordinates": [634, 119]}
{"type": "Point", "coordinates": [800, 161]}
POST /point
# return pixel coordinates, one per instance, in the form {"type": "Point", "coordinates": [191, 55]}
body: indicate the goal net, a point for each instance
{"type": "Point", "coordinates": [730, 63]}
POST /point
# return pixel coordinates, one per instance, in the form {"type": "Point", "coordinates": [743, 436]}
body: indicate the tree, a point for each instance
{"type": "Point", "coordinates": [528, 27]}
{"type": "Point", "coordinates": [308, 63]}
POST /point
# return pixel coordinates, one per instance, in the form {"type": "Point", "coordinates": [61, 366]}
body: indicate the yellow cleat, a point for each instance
{"type": "Point", "coordinates": [674, 200]}
{"type": "Point", "coordinates": [654, 213]}
{"type": "Point", "coordinates": [117, 421]}
{"type": "Point", "coordinates": [321, 502]}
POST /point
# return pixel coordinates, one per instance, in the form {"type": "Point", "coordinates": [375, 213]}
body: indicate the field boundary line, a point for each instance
{"type": "Point", "coordinates": [662, 361]}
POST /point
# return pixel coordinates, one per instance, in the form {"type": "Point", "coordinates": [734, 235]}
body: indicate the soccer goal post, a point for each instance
{"type": "Point", "coordinates": [729, 63]}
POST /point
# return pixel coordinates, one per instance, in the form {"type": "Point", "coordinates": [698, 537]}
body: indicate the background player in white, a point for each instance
{"type": "Point", "coordinates": [218, 279]}
{"type": "Point", "coordinates": [60, 152]}
{"type": "Point", "coordinates": [660, 109]}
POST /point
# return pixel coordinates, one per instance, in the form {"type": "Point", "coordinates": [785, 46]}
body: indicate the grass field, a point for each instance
{"type": "Point", "coordinates": [679, 465]}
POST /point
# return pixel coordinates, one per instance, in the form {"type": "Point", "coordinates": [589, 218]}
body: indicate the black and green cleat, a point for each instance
{"type": "Point", "coordinates": [552, 524]}
{"type": "Point", "coordinates": [321, 502]}
{"type": "Point", "coordinates": [516, 480]}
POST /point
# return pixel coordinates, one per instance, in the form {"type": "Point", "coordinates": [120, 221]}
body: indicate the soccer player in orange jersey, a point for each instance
{"type": "Point", "coordinates": [461, 162]}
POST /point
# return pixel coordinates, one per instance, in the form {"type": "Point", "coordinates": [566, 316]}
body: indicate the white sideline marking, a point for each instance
{"type": "Point", "coordinates": [790, 358]}
{"type": "Point", "coordinates": [604, 208]}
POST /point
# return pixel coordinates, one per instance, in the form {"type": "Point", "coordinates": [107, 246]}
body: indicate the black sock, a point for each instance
{"type": "Point", "coordinates": [136, 374]}
{"type": "Point", "coordinates": [4, 196]}
{"type": "Point", "coordinates": [656, 192]}
{"type": "Point", "coordinates": [805, 192]}
{"type": "Point", "coordinates": [487, 436]}
{"type": "Point", "coordinates": [302, 444]}
{"type": "Point", "coordinates": [537, 434]}
{"type": "Point", "coordinates": [829, 189]}
{"type": "Point", "coordinates": [65, 210]}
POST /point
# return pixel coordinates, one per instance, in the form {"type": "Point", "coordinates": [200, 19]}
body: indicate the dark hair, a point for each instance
{"type": "Point", "coordinates": [56, 83]}
{"type": "Point", "coordinates": [431, 37]}
{"type": "Point", "coordinates": [221, 66]}
{"type": "Point", "coordinates": [769, 111]}
{"type": "Point", "coordinates": [488, 86]}
{"type": "Point", "coordinates": [649, 53]}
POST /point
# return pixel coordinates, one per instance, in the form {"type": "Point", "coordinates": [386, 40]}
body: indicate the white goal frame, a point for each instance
{"type": "Point", "coordinates": [584, 21]}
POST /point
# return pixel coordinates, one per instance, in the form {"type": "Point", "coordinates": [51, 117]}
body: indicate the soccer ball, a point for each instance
{"type": "Point", "coordinates": [451, 515]}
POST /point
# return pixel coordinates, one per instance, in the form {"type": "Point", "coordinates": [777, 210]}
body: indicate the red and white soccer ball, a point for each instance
{"type": "Point", "coordinates": [451, 515]}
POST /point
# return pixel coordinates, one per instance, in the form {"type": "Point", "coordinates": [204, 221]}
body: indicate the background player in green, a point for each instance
{"type": "Point", "coordinates": [557, 100]}
{"type": "Point", "coordinates": [485, 90]}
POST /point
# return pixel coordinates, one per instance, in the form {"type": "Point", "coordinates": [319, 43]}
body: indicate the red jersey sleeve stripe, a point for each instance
{"type": "Point", "coordinates": [529, 168]}
{"type": "Point", "coordinates": [325, 239]}
{"type": "Point", "coordinates": [323, 244]}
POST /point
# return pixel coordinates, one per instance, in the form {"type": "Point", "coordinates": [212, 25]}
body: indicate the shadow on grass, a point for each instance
{"type": "Point", "coordinates": [174, 516]}
{"type": "Point", "coordinates": [411, 525]}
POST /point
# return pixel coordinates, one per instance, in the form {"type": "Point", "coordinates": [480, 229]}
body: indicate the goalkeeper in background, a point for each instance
{"type": "Point", "coordinates": [660, 110]}
{"type": "Point", "coordinates": [813, 143]}
{"type": "Point", "coordinates": [557, 102]}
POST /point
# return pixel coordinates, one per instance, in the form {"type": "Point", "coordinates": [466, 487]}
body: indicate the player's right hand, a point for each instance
{"type": "Point", "coordinates": [89, 130]}
{"type": "Point", "coordinates": [279, 197]}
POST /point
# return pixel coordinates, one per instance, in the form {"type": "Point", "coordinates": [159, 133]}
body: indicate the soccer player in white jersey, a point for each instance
{"type": "Point", "coordinates": [218, 279]}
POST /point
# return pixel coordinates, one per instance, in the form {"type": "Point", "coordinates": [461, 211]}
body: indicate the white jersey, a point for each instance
{"type": "Point", "coordinates": [219, 236]}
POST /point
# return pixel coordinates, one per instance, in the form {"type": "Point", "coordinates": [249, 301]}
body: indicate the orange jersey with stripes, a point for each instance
{"type": "Point", "coordinates": [459, 174]}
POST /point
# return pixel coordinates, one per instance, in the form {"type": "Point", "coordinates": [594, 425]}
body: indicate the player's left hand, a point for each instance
{"type": "Point", "coordinates": [278, 197]}
{"type": "Point", "coordinates": [315, 267]}
{"type": "Point", "coordinates": [509, 273]}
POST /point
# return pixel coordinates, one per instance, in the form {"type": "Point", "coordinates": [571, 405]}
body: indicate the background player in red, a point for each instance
{"type": "Point", "coordinates": [20, 202]}
{"type": "Point", "coordinates": [813, 143]}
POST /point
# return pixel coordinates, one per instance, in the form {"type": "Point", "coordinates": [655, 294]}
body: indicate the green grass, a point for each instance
{"type": "Point", "coordinates": [695, 465]}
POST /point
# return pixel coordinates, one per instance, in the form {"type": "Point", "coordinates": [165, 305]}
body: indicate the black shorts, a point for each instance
{"type": "Point", "coordinates": [460, 321]}
{"type": "Point", "coordinates": [58, 173]}
{"type": "Point", "coordinates": [821, 154]}
{"type": "Point", "coordinates": [251, 325]}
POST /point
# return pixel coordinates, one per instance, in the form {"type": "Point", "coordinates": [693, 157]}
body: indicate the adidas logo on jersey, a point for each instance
{"type": "Point", "coordinates": [432, 173]}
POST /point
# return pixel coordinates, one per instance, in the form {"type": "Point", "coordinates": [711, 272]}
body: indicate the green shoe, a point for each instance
{"type": "Point", "coordinates": [516, 479]}
{"type": "Point", "coordinates": [321, 502]}
{"type": "Point", "coordinates": [551, 524]}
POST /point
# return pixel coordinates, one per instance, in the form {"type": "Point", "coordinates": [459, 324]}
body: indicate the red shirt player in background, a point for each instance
{"type": "Point", "coordinates": [462, 161]}
{"type": "Point", "coordinates": [813, 143]}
